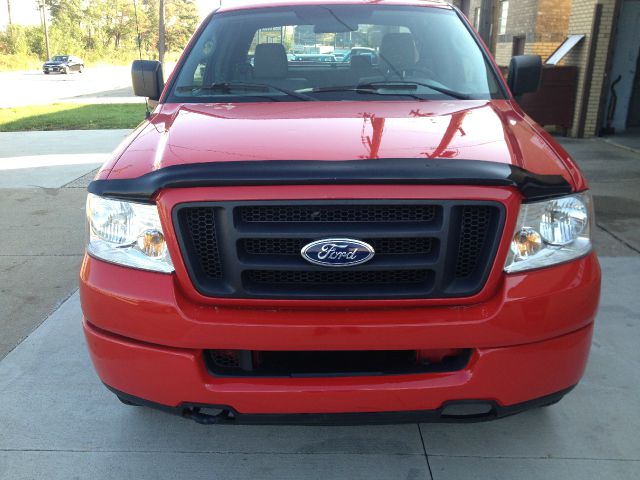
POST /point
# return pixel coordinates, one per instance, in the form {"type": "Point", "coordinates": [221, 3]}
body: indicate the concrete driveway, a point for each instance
{"type": "Point", "coordinates": [58, 422]}
{"type": "Point", "coordinates": [42, 221]}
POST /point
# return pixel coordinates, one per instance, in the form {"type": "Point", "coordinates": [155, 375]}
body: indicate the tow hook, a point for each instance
{"type": "Point", "coordinates": [195, 414]}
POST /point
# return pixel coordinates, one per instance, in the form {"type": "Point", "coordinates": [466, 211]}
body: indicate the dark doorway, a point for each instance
{"type": "Point", "coordinates": [633, 120]}
{"type": "Point", "coordinates": [518, 46]}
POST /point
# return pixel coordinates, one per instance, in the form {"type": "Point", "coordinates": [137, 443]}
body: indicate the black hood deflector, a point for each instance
{"type": "Point", "coordinates": [385, 171]}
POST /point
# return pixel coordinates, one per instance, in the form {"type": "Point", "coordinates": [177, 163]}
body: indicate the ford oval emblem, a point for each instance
{"type": "Point", "coordinates": [337, 252]}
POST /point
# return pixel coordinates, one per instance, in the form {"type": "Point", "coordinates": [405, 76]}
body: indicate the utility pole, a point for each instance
{"type": "Point", "coordinates": [161, 37]}
{"type": "Point", "coordinates": [9, 10]}
{"type": "Point", "coordinates": [486, 21]}
{"type": "Point", "coordinates": [43, 14]}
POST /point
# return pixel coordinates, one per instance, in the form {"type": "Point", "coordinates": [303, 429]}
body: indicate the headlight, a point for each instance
{"type": "Point", "coordinates": [551, 232]}
{"type": "Point", "coordinates": [127, 234]}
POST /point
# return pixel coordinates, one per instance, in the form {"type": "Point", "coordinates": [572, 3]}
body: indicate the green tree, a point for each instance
{"type": "Point", "coordinates": [35, 41]}
{"type": "Point", "coordinates": [181, 20]}
{"type": "Point", "coordinates": [22, 40]}
{"type": "Point", "coordinates": [13, 41]}
{"type": "Point", "coordinates": [149, 28]}
{"type": "Point", "coordinates": [120, 26]}
{"type": "Point", "coordinates": [66, 34]}
{"type": "Point", "coordinates": [103, 29]}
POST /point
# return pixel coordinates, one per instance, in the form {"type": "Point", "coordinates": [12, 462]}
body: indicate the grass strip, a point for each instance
{"type": "Point", "coordinates": [71, 116]}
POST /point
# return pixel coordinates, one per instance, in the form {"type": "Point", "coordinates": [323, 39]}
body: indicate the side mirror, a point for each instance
{"type": "Point", "coordinates": [147, 78]}
{"type": "Point", "coordinates": [524, 74]}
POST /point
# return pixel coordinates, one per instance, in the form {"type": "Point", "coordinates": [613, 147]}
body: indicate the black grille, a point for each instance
{"type": "Point", "coordinates": [255, 363]}
{"type": "Point", "coordinates": [381, 277]}
{"type": "Point", "coordinates": [475, 225]}
{"type": "Point", "coordinates": [338, 214]}
{"type": "Point", "coordinates": [427, 249]}
{"type": "Point", "coordinates": [225, 358]}
{"type": "Point", "coordinates": [292, 246]}
{"type": "Point", "coordinates": [200, 223]}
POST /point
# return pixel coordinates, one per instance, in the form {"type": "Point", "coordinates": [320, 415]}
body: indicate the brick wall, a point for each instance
{"type": "Point", "coordinates": [552, 21]}
{"type": "Point", "coordinates": [503, 53]}
{"type": "Point", "coordinates": [580, 22]}
{"type": "Point", "coordinates": [521, 20]}
{"type": "Point", "coordinates": [543, 23]}
{"type": "Point", "coordinates": [544, 49]}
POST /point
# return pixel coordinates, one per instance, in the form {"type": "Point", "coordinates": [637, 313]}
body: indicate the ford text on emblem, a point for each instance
{"type": "Point", "coordinates": [337, 252]}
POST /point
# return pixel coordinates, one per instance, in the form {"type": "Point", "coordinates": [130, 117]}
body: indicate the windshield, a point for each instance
{"type": "Point", "coordinates": [335, 52]}
{"type": "Point", "coordinates": [60, 58]}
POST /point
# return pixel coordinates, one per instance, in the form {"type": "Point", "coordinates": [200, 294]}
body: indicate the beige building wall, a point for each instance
{"type": "Point", "coordinates": [503, 53]}
{"type": "Point", "coordinates": [521, 22]}
{"type": "Point", "coordinates": [542, 23]}
{"type": "Point", "coordinates": [544, 49]}
{"type": "Point", "coordinates": [581, 22]}
{"type": "Point", "coordinates": [545, 24]}
{"type": "Point", "coordinates": [474, 9]}
{"type": "Point", "coordinates": [552, 21]}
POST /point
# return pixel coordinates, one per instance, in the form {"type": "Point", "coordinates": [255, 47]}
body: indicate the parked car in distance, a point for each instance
{"type": "Point", "coordinates": [361, 51]}
{"type": "Point", "coordinates": [345, 242]}
{"type": "Point", "coordinates": [63, 64]}
{"type": "Point", "coordinates": [314, 57]}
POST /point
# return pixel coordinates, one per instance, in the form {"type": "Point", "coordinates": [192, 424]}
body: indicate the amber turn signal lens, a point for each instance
{"type": "Point", "coordinates": [526, 242]}
{"type": "Point", "coordinates": [152, 243]}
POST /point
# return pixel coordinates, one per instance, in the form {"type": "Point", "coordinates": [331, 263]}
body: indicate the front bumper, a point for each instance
{"type": "Point", "coordinates": [505, 376]}
{"type": "Point", "coordinates": [530, 339]}
{"type": "Point", "coordinates": [454, 411]}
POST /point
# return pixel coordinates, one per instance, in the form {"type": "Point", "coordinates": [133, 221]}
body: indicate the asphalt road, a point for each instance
{"type": "Point", "coordinates": [95, 85]}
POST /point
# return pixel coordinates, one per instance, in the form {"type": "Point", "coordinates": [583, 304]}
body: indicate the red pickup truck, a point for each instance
{"type": "Point", "coordinates": [317, 242]}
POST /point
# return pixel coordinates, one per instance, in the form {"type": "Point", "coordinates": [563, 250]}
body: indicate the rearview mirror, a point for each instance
{"type": "Point", "coordinates": [147, 78]}
{"type": "Point", "coordinates": [524, 74]}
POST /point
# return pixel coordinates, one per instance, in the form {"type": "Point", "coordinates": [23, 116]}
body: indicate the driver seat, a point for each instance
{"type": "Point", "coordinates": [270, 66]}
{"type": "Point", "coordinates": [398, 53]}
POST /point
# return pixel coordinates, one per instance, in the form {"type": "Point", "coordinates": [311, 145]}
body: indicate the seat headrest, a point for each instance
{"type": "Point", "coordinates": [270, 61]}
{"type": "Point", "coordinates": [399, 51]}
{"type": "Point", "coordinates": [360, 62]}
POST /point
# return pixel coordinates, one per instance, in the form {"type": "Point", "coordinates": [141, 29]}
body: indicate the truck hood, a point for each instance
{"type": "Point", "coordinates": [336, 131]}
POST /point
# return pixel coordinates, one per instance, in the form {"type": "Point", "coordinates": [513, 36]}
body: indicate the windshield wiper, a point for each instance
{"type": "Point", "coordinates": [411, 85]}
{"type": "Point", "coordinates": [228, 87]}
{"type": "Point", "coordinates": [362, 89]}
